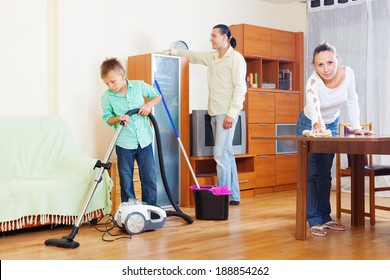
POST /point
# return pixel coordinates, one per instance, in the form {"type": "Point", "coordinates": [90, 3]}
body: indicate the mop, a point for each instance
{"type": "Point", "coordinates": [212, 195]}
{"type": "Point", "coordinates": [177, 134]}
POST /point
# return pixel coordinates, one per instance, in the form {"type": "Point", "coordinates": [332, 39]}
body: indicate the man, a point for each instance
{"type": "Point", "coordinates": [227, 88]}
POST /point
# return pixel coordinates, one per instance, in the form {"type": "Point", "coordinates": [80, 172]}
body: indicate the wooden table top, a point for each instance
{"type": "Point", "coordinates": [347, 138]}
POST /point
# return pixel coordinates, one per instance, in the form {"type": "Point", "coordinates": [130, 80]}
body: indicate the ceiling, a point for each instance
{"type": "Point", "coordinates": [281, 1]}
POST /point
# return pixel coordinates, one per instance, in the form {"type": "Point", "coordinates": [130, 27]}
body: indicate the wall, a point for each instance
{"type": "Point", "coordinates": [23, 56]}
{"type": "Point", "coordinates": [57, 46]}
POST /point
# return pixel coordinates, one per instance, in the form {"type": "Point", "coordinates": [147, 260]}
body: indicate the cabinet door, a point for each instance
{"type": "Point", "coordinates": [257, 41]}
{"type": "Point", "coordinates": [286, 168]}
{"type": "Point", "coordinates": [261, 107]}
{"type": "Point", "coordinates": [265, 171]}
{"type": "Point", "coordinates": [261, 147]}
{"type": "Point", "coordinates": [286, 107]}
{"type": "Point", "coordinates": [283, 44]}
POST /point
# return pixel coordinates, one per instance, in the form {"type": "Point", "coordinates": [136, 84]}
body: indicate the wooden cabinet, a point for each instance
{"type": "Point", "coordinates": [270, 52]}
{"type": "Point", "coordinates": [265, 170]}
{"type": "Point", "coordinates": [262, 106]}
{"type": "Point", "coordinates": [273, 171]}
{"type": "Point", "coordinates": [286, 107]}
{"type": "Point", "coordinates": [257, 40]}
{"type": "Point", "coordinates": [283, 44]}
{"type": "Point", "coordinates": [172, 73]}
{"type": "Point", "coordinates": [276, 56]}
{"type": "Point", "coordinates": [286, 164]}
{"type": "Point", "coordinates": [266, 147]}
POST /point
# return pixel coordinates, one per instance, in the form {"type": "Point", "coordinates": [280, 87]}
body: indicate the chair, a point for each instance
{"type": "Point", "coordinates": [371, 170]}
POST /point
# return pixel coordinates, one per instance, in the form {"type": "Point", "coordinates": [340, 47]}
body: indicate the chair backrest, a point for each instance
{"type": "Point", "coordinates": [348, 130]}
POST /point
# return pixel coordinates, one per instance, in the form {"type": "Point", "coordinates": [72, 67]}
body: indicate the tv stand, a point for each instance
{"type": "Point", "coordinates": [206, 173]}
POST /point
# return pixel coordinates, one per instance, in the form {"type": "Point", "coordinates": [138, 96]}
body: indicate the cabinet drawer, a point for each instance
{"type": "Point", "coordinates": [261, 147]}
{"type": "Point", "coordinates": [265, 171]}
{"type": "Point", "coordinates": [261, 107]}
{"type": "Point", "coordinates": [246, 180]}
{"type": "Point", "coordinates": [286, 169]}
{"type": "Point", "coordinates": [286, 107]}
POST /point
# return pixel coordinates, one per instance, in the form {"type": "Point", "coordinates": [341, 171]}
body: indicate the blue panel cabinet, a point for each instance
{"type": "Point", "coordinates": [171, 74]}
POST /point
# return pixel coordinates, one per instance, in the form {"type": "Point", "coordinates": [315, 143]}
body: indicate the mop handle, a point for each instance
{"type": "Point", "coordinates": [166, 108]}
{"type": "Point", "coordinates": [177, 135]}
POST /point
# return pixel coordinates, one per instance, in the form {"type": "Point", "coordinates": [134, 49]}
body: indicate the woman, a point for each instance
{"type": "Point", "coordinates": [329, 86]}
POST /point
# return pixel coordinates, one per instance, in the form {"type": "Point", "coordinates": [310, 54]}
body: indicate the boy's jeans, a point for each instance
{"type": "Point", "coordinates": [147, 172]}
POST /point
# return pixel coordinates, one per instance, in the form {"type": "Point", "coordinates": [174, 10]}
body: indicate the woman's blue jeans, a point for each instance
{"type": "Point", "coordinates": [147, 172]}
{"type": "Point", "coordinates": [224, 156]}
{"type": "Point", "coordinates": [319, 179]}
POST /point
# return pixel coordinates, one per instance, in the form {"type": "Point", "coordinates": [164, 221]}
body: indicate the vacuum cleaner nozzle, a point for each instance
{"type": "Point", "coordinates": [64, 242]}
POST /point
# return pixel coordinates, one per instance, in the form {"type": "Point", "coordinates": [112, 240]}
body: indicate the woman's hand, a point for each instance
{"type": "Point", "coordinates": [318, 129]}
{"type": "Point", "coordinates": [363, 132]}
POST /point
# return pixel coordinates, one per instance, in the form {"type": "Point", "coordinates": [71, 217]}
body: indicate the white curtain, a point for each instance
{"type": "Point", "coordinates": [360, 31]}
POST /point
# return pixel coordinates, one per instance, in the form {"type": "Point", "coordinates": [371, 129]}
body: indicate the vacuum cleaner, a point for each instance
{"type": "Point", "coordinates": [136, 217]}
{"type": "Point", "coordinates": [68, 240]}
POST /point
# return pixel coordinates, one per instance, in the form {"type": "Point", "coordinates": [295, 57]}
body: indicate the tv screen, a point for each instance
{"type": "Point", "coordinates": [202, 138]}
{"type": "Point", "coordinates": [209, 137]}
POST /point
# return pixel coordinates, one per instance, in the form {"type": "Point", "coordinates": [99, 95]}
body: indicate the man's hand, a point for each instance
{"type": "Point", "coordinates": [165, 52]}
{"type": "Point", "coordinates": [227, 122]}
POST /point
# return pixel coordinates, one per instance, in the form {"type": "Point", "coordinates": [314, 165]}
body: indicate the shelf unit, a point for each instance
{"type": "Point", "coordinates": [168, 70]}
{"type": "Point", "coordinates": [267, 52]}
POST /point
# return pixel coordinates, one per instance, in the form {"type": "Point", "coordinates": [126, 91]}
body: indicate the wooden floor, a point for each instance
{"type": "Point", "coordinates": [260, 228]}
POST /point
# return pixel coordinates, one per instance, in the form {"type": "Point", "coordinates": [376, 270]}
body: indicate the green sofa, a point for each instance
{"type": "Point", "coordinates": [44, 179]}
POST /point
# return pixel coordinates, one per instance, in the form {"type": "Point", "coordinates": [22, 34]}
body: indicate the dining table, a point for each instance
{"type": "Point", "coordinates": [357, 146]}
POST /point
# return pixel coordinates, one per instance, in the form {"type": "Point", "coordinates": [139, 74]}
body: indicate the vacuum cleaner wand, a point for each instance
{"type": "Point", "coordinates": [68, 241]}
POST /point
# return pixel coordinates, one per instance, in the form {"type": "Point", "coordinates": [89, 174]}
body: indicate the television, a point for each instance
{"type": "Point", "coordinates": [201, 134]}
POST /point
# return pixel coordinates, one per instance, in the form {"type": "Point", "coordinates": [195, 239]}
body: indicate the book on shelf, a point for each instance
{"type": "Point", "coordinates": [285, 79]}
{"type": "Point", "coordinates": [268, 85]}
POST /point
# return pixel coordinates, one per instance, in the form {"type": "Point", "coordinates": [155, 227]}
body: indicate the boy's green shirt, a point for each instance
{"type": "Point", "coordinates": [138, 130]}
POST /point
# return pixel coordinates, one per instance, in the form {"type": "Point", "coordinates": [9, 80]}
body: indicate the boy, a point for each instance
{"type": "Point", "coordinates": [134, 142]}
